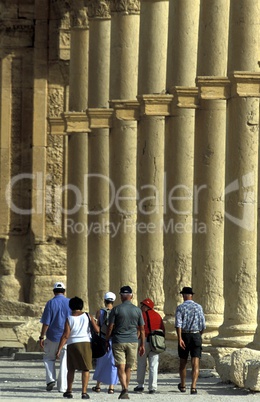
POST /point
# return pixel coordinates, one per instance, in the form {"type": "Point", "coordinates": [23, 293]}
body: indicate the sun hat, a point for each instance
{"type": "Point", "coordinates": [148, 302]}
{"type": "Point", "coordinates": [187, 291]}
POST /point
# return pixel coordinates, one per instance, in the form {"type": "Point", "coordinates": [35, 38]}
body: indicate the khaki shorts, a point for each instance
{"type": "Point", "coordinates": [125, 353]}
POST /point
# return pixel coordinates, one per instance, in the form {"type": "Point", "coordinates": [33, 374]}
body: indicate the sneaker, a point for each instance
{"type": "Point", "coordinates": [152, 391]}
{"type": "Point", "coordinates": [139, 389]}
{"type": "Point", "coordinates": [50, 386]}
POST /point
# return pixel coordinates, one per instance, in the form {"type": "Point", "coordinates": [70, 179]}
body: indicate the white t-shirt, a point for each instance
{"type": "Point", "coordinates": [79, 329]}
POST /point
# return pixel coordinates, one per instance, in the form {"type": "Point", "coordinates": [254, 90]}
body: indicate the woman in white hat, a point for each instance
{"type": "Point", "coordinates": [105, 371]}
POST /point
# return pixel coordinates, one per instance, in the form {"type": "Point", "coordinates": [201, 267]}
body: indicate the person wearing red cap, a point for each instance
{"type": "Point", "coordinates": [152, 321]}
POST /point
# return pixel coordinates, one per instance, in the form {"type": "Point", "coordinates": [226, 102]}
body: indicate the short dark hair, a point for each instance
{"type": "Point", "coordinates": [57, 291]}
{"type": "Point", "coordinates": [76, 303]}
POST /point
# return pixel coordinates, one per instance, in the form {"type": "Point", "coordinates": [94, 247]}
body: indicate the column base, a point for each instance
{"type": "Point", "coordinates": [213, 322]}
{"type": "Point", "coordinates": [235, 336]}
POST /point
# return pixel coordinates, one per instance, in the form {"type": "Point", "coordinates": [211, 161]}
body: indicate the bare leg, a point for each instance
{"type": "Point", "coordinates": [128, 375]}
{"type": "Point", "coordinates": [182, 371]}
{"type": "Point", "coordinates": [85, 380]}
{"type": "Point", "coordinates": [195, 363]}
{"type": "Point", "coordinates": [121, 371]}
{"type": "Point", "coordinates": [70, 379]}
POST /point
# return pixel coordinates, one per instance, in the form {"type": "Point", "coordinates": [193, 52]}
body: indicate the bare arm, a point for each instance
{"type": "Point", "coordinates": [43, 333]}
{"type": "Point", "coordinates": [94, 324]}
{"type": "Point", "coordinates": [109, 331]}
{"type": "Point", "coordinates": [180, 340]}
{"type": "Point", "coordinates": [98, 317]}
{"type": "Point", "coordinates": [64, 338]}
{"type": "Point", "coordinates": [141, 349]}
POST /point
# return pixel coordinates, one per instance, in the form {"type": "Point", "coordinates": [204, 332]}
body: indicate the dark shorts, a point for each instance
{"type": "Point", "coordinates": [193, 344]}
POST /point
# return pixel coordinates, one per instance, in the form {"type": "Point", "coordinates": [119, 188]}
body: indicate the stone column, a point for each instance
{"type": "Point", "coordinates": [5, 139]}
{"type": "Point", "coordinates": [77, 129]}
{"type": "Point", "coordinates": [209, 163]}
{"type": "Point", "coordinates": [240, 248]}
{"type": "Point", "coordinates": [39, 144]}
{"type": "Point", "coordinates": [123, 142]}
{"type": "Point", "coordinates": [39, 119]}
{"type": "Point", "coordinates": [98, 239]}
{"type": "Point", "coordinates": [151, 132]}
{"type": "Point", "coordinates": [179, 148]}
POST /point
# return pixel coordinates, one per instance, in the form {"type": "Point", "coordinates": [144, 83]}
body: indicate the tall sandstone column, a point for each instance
{"type": "Point", "coordinates": [151, 132]}
{"type": "Point", "coordinates": [98, 239]}
{"type": "Point", "coordinates": [77, 129]}
{"type": "Point", "coordinates": [123, 142]}
{"type": "Point", "coordinates": [240, 249]}
{"type": "Point", "coordinates": [209, 162]}
{"type": "Point", "coordinates": [179, 149]}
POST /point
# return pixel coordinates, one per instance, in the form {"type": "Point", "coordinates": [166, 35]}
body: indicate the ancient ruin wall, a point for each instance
{"type": "Point", "coordinates": [155, 105]}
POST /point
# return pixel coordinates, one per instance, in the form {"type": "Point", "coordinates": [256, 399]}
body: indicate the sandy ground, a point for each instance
{"type": "Point", "coordinates": [24, 380]}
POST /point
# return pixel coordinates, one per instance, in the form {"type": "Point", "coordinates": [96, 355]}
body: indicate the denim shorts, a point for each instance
{"type": "Point", "coordinates": [193, 343]}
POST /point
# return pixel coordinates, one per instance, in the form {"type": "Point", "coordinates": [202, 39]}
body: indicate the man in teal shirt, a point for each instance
{"type": "Point", "coordinates": [125, 322]}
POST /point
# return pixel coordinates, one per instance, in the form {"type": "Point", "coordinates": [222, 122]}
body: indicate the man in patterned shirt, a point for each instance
{"type": "Point", "coordinates": [189, 324]}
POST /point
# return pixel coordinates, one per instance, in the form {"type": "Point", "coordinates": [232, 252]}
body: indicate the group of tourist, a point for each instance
{"type": "Point", "coordinates": [66, 335]}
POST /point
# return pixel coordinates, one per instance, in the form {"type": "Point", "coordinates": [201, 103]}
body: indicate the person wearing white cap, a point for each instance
{"type": "Point", "coordinates": [53, 319]}
{"type": "Point", "coordinates": [105, 371]}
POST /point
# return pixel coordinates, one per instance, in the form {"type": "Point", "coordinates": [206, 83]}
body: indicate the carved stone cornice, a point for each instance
{"type": "Point", "coordinates": [185, 97]}
{"type": "Point", "coordinates": [125, 6]}
{"type": "Point", "coordinates": [16, 32]}
{"type": "Point", "coordinates": [125, 109]}
{"type": "Point", "coordinates": [100, 117]}
{"type": "Point", "coordinates": [213, 87]}
{"type": "Point", "coordinates": [98, 9]}
{"type": "Point", "coordinates": [155, 105]}
{"type": "Point", "coordinates": [79, 15]}
{"type": "Point", "coordinates": [245, 84]}
{"type": "Point", "coordinates": [56, 126]}
{"type": "Point", "coordinates": [76, 122]}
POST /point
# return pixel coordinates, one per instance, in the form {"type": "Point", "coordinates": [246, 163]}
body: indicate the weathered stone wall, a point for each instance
{"type": "Point", "coordinates": [129, 136]}
{"type": "Point", "coordinates": [34, 82]}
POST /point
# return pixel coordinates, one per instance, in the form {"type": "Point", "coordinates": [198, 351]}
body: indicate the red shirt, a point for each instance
{"type": "Point", "coordinates": [156, 321]}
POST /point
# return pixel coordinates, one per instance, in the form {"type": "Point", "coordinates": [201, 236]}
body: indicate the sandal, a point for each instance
{"type": "Point", "coordinates": [96, 389]}
{"type": "Point", "coordinates": [124, 394]}
{"type": "Point", "coordinates": [180, 388]}
{"type": "Point", "coordinates": [193, 391]}
{"type": "Point", "coordinates": [68, 394]}
{"type": "Point", "coordinates": [110, 390]}
{"type": "Point", "coordinates": [85, 396]}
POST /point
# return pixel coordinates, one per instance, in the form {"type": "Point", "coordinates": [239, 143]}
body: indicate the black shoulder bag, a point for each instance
{"type": "Point", "coordinates": [98, 344]}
